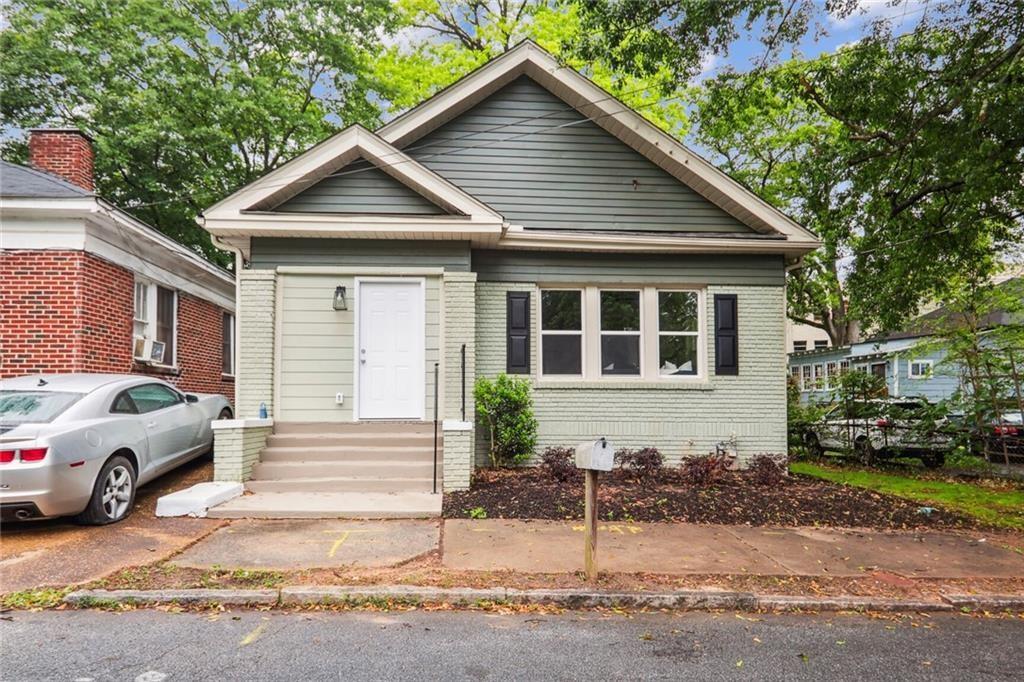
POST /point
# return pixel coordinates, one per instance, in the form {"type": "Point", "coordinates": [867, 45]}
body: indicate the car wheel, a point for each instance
{"type": "Point", "coordinates": [224, 414]}
{"type": "Point", "coordinates": [813, 445]}
{"type": "Point", "coordinates": [864, 451]}
{"type": "Point", "coordinates": [113, 494]}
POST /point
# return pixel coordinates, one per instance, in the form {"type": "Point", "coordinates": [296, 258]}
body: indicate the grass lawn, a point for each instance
{"type": "Point", "coordinates": [998, 506]}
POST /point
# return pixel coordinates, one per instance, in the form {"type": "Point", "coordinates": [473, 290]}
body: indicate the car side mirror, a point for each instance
{"type": "Point", "coordinates": [190, 398]}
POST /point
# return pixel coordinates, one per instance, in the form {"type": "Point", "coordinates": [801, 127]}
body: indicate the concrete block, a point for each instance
{"type": "Point", "coordinates": [196, 500]}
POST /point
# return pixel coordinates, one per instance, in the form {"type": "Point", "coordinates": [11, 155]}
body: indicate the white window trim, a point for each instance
{"type": "Point", "coordinates": [234, 340]}
{"type": "Point", "coordinates": [582, 333]}
{"type": "Point", "coordinates": [149, 329]}
{"type": "Point", "coordinates": [649, 335]}
{"type": "Point", "coordinates": [804, 375]}
{"type": "Point", "coordinates": [910, 369]}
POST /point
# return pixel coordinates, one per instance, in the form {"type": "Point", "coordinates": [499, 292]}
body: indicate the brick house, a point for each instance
{"type": "Point", "coordinates": [85, 287]}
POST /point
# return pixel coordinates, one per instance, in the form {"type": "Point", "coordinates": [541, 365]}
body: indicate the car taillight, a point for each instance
{"type": "Point", "coordinates": [1006, 430]}
{"type": "Point", "coordinates": [6, 456]}
{"type": "Point", "coordinates": [884, 423]}
{"type": "Point", "coordinates": [32, 454]}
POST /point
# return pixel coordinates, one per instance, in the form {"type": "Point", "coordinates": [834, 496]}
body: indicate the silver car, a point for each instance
{"type": "Point", "coordinates": [80, 444]}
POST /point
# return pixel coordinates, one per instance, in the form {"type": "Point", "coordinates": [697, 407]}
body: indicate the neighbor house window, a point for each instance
{"type": "Point", "coordinates": [561, 332]}
{"type": "Point", "coordinates": [795, 373]}
{"type": "Point", "coordinates": [830, 374]}
{"type": "Point", "coordinates": [799, 346]}
{"type": "Point", "coordinates": [819, 344]}
{"type": "Point", "coordinates": [227, 352]}
{"type": "Point", "coordinates": [819, 377]}
{"type": "Point", "coordinates": [919, 369]}
{"type": "Point", "coordinates": [154, 323]}
{"type": "Point", "coordinates": [844, 366]}
{"type": "Point", "coordinates": [678, 332]}
{"type": "Point", "coordinates": [645, 332]}
{"type": "Point", "coordinates": [620, 333]}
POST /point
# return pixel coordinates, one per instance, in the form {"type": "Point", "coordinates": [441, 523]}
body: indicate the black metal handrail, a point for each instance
{"type": "Point", "coordinates": [436, 370]}
{"type": "Point", "coordinates": [463, 382]}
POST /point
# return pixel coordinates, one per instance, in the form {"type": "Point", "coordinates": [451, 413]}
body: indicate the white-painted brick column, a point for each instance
{"type": "Point", "coordinates": [237, 444]}
{"type": "Point", "coordinates": [255, 378]}
{"type": "Point", "coordinates": [459, 312]}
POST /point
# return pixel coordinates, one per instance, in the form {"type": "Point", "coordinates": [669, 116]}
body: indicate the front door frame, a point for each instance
{"type": "Point", "coordinates": [356, 365]}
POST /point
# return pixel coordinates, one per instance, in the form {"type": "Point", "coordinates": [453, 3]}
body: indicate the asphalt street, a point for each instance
{"type": "Point", "coordinates": [154, 646]}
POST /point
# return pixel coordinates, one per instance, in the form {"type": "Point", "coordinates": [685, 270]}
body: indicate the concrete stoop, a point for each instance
{"type": "Point", "coordinates": [366, 470]}
{"type": "Point", "coordinates": [304, 596]}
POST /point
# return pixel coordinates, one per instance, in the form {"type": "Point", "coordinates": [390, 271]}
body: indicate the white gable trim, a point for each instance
{"type": "Point", "coordinates": [333, 154]}
{"type": "Point", "coordinates": [608, 113]}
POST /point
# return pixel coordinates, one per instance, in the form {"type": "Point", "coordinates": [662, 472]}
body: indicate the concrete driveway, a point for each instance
{"type": "Point", "coordinates": [59, 552]}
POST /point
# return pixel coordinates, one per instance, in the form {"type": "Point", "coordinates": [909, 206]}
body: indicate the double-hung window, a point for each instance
{"type": "Point", "coordinates": [620, 333]}
{"type": "Point", "coordinates": [227, 347]}
{"type": "Point", "coordinates": [597, 333]}
{"type": "Point", "coordinates": [919, 369]}
{"type": "Point", "coordinates": [807, 382]}
{"type": "Point", "coordinates": [678, 333]}
{"type": "Point", "coordinates": [154, 322]}
{"type": "Point", "coordinates": [561, 332]}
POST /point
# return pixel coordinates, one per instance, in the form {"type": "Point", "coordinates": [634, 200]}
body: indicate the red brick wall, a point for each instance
{"type": "Point", "coordinates": [71, 311]}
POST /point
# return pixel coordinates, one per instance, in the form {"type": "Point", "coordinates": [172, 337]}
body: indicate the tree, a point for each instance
{"type": "Point", "coordinates": [187, 99]}
{"type": "Point", "coordinates": [928, 164]}
{"type": "Point", "coordinates": [440, 41]}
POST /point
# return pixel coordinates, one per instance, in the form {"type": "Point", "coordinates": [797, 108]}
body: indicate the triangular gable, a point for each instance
{"type": "Point", "coordinates": [360, 188]}
{"type": "Point", "coordinates": [610, 114]}
{"type": "Point", "coordinates": [327, 160]}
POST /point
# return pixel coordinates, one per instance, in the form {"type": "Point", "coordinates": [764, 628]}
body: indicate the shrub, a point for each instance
{"type": "Point", "coordinates": [703, 469]}
{"type": "Point", "coordinates": [767, 470]}
{"type": "Point", "coordinates": [558, 464]}
{"type": "Point", "coordinates": [643, 464]}
{"type": "Point", "coordinates": [506, 407]}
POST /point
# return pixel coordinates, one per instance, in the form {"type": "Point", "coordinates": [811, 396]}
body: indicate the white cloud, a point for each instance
{"type": "Point", "coordinates": [870, 10]}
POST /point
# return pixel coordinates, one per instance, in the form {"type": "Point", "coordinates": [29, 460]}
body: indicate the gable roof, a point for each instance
{"type": "Point", "coordinates": [609, 113]}
{"type": "Point", "coordinates": [249, 211]}
{"type": "Point", "coordinates": [24, 182]}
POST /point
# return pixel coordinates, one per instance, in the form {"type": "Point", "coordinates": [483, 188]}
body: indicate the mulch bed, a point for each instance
{"type": "Point", "coordinates": [530, 493]}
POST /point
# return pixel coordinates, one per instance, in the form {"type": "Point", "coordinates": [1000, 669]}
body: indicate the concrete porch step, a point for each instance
{"type": "Point", "coordinates": [354, 440]}
{"type": "Point", "coordinates": [344, 484]}
{"type": "Point", "coordinates": [345, 453]}
{"type": "Point", "coordinates": [354, 428]}
{"type": "Point", "coordinates": [323, 505]}
{"type": "Point", "coordinates": [279, 470]}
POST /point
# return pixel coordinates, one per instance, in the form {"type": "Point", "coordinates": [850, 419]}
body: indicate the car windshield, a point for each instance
{"type": "Point", "coordinates": [33, 407]}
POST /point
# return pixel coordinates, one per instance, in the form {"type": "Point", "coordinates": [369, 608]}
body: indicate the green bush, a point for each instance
{"type": "Point", "coordinates": [505, 405]}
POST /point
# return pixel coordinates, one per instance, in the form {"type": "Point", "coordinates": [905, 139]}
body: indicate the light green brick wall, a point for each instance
{"type": "Point", "coordinates": [459, 328]}
{"type": "Point", "coordinates": [680, 420]}
{"type": "Point", "coordinates": [255, 374]}
{"type": "Point", "coordinates": [458, 458]}
{"type": "Point", "coordinates": [237, 450]}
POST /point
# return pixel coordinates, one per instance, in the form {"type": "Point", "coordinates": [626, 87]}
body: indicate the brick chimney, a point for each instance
{"type": "Point", "coordinates": [65, 152]}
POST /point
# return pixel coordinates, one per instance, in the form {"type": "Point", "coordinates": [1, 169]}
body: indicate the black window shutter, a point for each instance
{"type": "Point", "coordinates": [517, 358]}
{"type": "Point", "coordinates": [727, 350]}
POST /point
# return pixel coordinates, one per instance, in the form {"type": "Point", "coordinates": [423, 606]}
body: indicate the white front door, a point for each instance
{"type": "Point", "coordinates": [390, 352]}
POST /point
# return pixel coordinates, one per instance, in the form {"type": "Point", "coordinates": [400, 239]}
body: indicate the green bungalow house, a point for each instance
{"type": "Point", "coordinates": [522, 221]}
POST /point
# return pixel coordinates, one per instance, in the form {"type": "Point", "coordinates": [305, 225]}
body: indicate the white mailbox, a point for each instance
{"type": "Point", "coordinates": [595, 454]}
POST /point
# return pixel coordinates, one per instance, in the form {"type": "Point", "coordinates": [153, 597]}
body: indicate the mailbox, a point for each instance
{"type": "Point", "coordinates": [595, 454]}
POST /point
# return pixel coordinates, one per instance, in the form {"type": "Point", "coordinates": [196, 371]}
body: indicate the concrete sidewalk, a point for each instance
{"type": "Point", "coordinates": [556, 547]}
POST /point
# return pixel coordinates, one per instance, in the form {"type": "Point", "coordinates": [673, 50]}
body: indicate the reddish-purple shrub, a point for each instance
{"type": "Point", "coordinates": [703, 469]}
{"type": "Point", "coordinates": [558, 463]}
{"type": "Point", "coordinates": [643, 464]}
{"type": "Point", "coordinates": [767, 469]}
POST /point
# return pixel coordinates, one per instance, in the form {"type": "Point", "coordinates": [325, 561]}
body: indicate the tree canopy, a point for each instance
{"type": "Point", "coordinates": [187, 100]}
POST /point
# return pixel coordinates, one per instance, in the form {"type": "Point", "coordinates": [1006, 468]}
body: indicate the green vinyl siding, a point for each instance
{"type": "Point", "coordinates": [272, 252]}
{"type": "Point", "coordinates": [316, 352]}
{"type": "Point", "coordinates": [541, 164]}
{"type": "Point", "coordinates": [500, 265]}
{"type": "Point", "coordinates": [360, 188]}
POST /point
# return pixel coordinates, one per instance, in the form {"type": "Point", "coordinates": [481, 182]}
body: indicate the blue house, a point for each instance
{"type": "Point", "coordinates": [909, 360]}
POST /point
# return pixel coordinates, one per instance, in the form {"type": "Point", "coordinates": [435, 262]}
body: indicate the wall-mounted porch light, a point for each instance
{"type": "Point", "coordinates": [339, 299]}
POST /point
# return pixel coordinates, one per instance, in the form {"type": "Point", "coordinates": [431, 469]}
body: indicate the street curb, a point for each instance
{"type": "Point", "coordinates": [89, 598]}
{"type": "Point", "coordinates": [313, 595]}
{"type": "Point", "coordinates": [986, 602]}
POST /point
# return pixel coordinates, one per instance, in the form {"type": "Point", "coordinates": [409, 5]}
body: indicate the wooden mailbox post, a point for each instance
{"type": "Point", "coordinates": [593, 457]}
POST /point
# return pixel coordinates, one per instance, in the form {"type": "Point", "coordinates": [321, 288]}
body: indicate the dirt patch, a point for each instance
{"type": "Point", "coordinates": [735, 499]}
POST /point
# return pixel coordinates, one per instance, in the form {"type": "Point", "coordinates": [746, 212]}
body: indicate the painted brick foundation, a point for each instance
{"type": "Point", "coordinates": [71, 311]}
